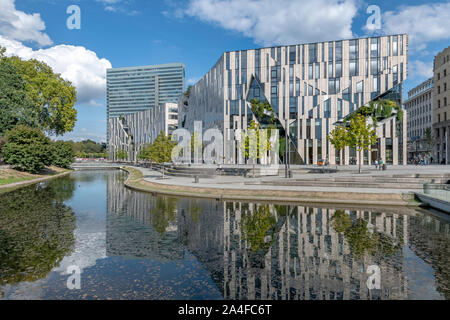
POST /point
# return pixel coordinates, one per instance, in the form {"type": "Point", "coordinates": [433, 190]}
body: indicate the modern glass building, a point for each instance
{"type": "Point", "coordinates": [310, 87]}
{"type": "Point", "coordinates": [135, 89]}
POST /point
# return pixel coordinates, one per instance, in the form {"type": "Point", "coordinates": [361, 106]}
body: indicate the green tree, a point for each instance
{"type": "Point", "coordinates": [52, 97]}
{"type": "Point", "coordinates": [27, 149]}
{"type": "Point", "coordinates": [15, 106]}
{"type": "Point", "coordinates": [121, 155]}
{"type": "Point", "coordinates": [361, 135]}
{"type": "Point", "coordinates": [262, 144]}
{"type": "Point", "coordinates": [428, 139]}
{"type": "Point", "coordinates": [62, 154]}
{"type": "Point", "coordinates": [160, 151]}
{"type": "Point", "coordinates": [339, 139]}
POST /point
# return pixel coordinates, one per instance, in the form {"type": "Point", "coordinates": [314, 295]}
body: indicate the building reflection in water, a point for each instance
{"type": "Point", "coordinates": [139, 225]}
{"type": "Point", "coordinates": [268, 251]}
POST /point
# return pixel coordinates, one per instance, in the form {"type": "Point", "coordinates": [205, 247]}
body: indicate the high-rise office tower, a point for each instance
{"type": "Point", "coordinates": [135, 89]}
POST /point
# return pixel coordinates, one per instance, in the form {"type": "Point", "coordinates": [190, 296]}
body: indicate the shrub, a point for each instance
{"type": "Point", "coordinates": [27, 149]}
{"type": "Point", "coordinates": [62, 154]}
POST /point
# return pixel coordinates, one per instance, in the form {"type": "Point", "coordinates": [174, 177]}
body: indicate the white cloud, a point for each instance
{"type": "Point", "coordinates": [423, 23]}
{"type": "Point", "coordinates": [271, 22]}
{"type": "Point", "coordinates": [82, 67]}
{"type": "Point", "coordinates": [193, 81]}
{"type": "Point", "coordinates": [420, 69]}
{"type": "Point", "coordinates": [20, 26]}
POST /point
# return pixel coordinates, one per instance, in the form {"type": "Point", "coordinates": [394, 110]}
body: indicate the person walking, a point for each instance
{"type": "Point", "coordinates": [381, 164]}
{"type": "Point", "coordinates": [376, 164]}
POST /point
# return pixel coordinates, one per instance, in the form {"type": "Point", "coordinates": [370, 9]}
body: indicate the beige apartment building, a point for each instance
{"type": "Point", "coordinates": [441, 96]}
{"type": "Point", "coordinates": [419, 107]}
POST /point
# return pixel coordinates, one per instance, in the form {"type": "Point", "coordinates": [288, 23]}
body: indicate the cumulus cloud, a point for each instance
{"type": "Point", "coordinates": [271, 22]}
{"type": "Point", "coordinates": [423, 23]}
{"type": "Point", "coordinates": [20, 26]}
{"type": "Point", "coordinates": [82, 67]}
{"type": "Point", "coordinates": [420, 69]}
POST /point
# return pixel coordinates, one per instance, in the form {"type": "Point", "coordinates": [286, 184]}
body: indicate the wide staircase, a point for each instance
{"type": "Point", "coordinates": [396, 181]}
{"type": "Point", "coordinates": [201, 172]}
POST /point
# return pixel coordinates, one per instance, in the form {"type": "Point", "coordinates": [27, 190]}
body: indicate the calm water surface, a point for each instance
{"type": "Point", "coordinates": [131, 245]}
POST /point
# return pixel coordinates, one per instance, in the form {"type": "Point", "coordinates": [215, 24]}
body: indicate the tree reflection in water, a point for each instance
{"type": "Point", "coordinates": [36, 230]}
{"type": "Point", "coordinates": [163, 214]}
{"type": "Point", "coordinates": [363, 240]}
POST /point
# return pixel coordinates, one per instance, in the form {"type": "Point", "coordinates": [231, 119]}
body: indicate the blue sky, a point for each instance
{"type": "Point", "coordinates": [121, 33]}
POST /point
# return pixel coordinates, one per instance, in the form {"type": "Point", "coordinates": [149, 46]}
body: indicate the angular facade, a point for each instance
{"type": "Point", "coordinates": [131, 132]}
{"type": "Point", "coordinates": [136, 89]}
{"type": "Point", "coordinates": [419, 107]}
{"type": "Point", "coordinates": [310, 87]}
{"type": "Point", "coordinates": [442, 106]}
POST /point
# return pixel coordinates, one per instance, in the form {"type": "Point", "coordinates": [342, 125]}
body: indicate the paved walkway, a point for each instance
{"type": "Point", "coordinates": [240, 183]}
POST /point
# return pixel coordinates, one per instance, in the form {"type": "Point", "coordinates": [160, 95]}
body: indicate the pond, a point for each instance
{"type": "Point", "coordinates": [132, 245]}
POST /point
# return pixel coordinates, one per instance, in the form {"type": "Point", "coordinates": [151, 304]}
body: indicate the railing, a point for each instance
{"type": "Point", "coordinates": [438, 191]}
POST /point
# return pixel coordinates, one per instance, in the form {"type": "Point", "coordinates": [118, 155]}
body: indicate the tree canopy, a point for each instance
{"type": "Point", "coordinates": [15, 105]}
{"type": "Point", "coordinates": [48, 99]}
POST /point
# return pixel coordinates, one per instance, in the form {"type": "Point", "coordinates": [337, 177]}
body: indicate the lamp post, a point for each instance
{"type": "Point", "coordinates": [286, 150]}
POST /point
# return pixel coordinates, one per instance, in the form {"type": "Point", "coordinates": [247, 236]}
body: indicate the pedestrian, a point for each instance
{"type": "Point", "coordinates": [381, 163]}
{"type": "Point", "coordinates": [431, 160]}
{"type": "Point", "coordinates": [376, 164]}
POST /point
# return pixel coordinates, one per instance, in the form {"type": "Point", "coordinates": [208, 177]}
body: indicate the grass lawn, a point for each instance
{"type": "Point", "coordinates": [8, 176]}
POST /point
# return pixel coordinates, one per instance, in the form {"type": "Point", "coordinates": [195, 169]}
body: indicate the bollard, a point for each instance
{"type": "Point", "coordinates": [290, 174]}
{"type": "Point", "coordinates": [196, 179]}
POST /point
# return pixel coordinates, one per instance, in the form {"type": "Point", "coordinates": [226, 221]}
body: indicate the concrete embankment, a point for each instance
{"type": "Point", "coordinates": [227, 190]}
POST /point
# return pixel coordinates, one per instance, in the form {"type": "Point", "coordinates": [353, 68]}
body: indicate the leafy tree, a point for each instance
{"type": "Point", "coordinates": [62, 154]}
{"type": "Point", "coordinates": [429, 140]}
{"type": "Point", "coordinates": [121, 155]}
{"type": "Point", "coordinates": [27, 149]}
{"type": "Point", "coordinates": [262, 146]}
{"type": "Point", "coordinates": [160, 151]}
{"type": "Point", "coordinates": [15, 106]}
{"type": "Point", "coordinates": [361, 135]}
{"type": "Point", "coordinates": [52, 97]}
{"type": "Point", "coordinates": [339, 139]}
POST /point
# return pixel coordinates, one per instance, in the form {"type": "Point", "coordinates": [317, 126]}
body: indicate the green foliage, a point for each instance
{"type": "Point", "coordinates": [121, 155]}
{"type": "Point", "coordinates": [52, 97]}
{"type": "Point", "coordinates": [15, 106]}
{"type": "Point", "coordinates": [261, 145]}
{"type": "Point", "coordinates": [62, 154]}
{"type": "Point", "coordinates": [429, 140]}
{"type": "Point", "coordinates": [188, 92]}
{"type": "Point", "coordinates": [338, 137]}
{"type": "Point", "coordinates": [263, 110]}
{"type": "Point", "coordinates": [27, 149]}
{"type": "Point", "coordinates": [160, 150]}
{"type": "Point", "coordinates": [361, 135]}
{"type": "Point", "coordinates": [36, 231]}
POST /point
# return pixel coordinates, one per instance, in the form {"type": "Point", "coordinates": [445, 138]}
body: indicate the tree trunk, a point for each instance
{"type": "Point", "coordinates": [360, 160]}
{"type": "Point", "coordinates": [163, 171]}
